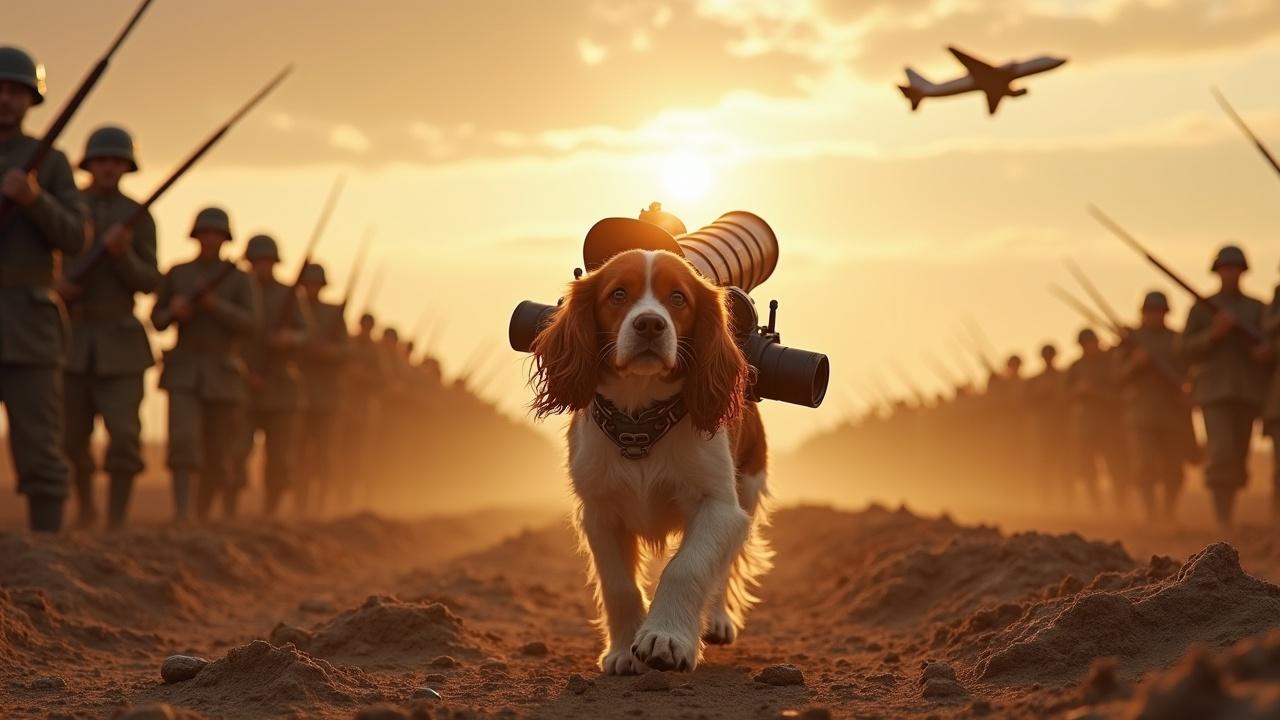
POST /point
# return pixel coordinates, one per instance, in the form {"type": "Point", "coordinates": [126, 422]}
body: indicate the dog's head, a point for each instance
{"type": "Point", "coordinates": [643, 314]}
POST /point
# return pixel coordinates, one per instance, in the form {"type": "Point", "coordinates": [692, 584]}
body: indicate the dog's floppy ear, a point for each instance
{"type": "Point", "coordinates": [566, 354]}
{"type": "Point", "coordinates": [715, 388]}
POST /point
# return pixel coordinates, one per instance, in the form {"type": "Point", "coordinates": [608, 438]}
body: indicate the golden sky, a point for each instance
{"type": "Point", "coordinates": [483, 138]}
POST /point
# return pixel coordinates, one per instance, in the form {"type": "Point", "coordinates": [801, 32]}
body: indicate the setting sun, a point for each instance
{"type": "Point", "coordinates": [686, 176]}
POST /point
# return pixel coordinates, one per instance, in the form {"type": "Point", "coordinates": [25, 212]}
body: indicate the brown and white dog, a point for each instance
{"type": "Point", "coordinates": [646, 330]}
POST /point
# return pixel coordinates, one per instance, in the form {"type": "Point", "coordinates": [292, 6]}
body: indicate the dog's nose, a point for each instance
{"type": "Point", "coordinates": [649, 325]}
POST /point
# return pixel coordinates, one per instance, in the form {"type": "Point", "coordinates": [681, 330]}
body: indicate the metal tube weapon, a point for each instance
{"type": "Point", "coordinates": [287, 308]}
{"type": "Point", "coordinates": [1092, 291]}
{"type": "Point", "coordinates": [98, 251]}
{"type": "Point", "coordinates": [1253, 333]}
{"type": "Point", "coordinates": [43, 149]}
{"type": "Point", "coordinates": [1084, 311]}
{"type": "Point", "coordinates": [357, 267]}
{"type": "Point", "coordinates": [1239, 121]}
{"type": "Point", "coordinates": [1169, 372]}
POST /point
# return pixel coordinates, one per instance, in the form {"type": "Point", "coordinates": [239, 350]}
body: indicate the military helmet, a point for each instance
{"type": "Point", "coordinates": [262, 247]}
{"type": "Point", "coordinates": [212, 218]}
{"type": "Point", "coordinates": [1230, 255]}
{"type": "Point", "coordinates": [313, 274]}
{"type": "Point", "coordinates": [17, 66]}
{"type": "Point", "coordinates": [110, 141]}
{"type": "Point", "coordinates": [1155, 300]}
{"type": "Point", "coordinates": [1048, 350]}
{"type": "Point", "coordinates": [390, 335]}
{"type": "Point", "coordinates": [1086, 335]}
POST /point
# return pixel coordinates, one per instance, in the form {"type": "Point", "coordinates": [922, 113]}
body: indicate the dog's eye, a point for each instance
{"type": "Point", "coordinates": [618, 296]}
{"type": "Point", "coordinates": [677, 299]}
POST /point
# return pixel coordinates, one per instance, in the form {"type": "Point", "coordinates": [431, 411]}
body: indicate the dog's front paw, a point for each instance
{"type": "Point", "coordinates": [720, 629]}
{"type": "Point", "coordinates": [664, 649]}
{"type": "Point", "coordinates": [621, 661]}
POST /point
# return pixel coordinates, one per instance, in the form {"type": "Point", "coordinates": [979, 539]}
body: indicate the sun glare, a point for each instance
{"type": "Point", "coordinates": [686, 176]}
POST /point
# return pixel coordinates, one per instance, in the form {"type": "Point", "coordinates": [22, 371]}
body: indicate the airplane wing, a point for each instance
{"type": "Point", "coordinates": [976, 67]}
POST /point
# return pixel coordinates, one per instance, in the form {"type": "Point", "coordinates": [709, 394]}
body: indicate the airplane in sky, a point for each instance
{"type": "Point", "coordinates": [995, 81]}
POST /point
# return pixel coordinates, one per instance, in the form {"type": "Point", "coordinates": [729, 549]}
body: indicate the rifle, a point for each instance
{"type": "Point", "coordinates": [45, 146]}
{"type": "Point", "coordinates": [1094, 294]}
{"type": "Point", "coordinates": [941, 371]}
{"type": "Point", "coordinates": [981, 346]}
{"type": "Point", "coordinates": [1253, 333]}
{"type": "Point", "coordinates": [1239, 121]}
{"type": "Point", "coordinates": [288, 306]}
{"type": "Point", "coordinates": [357, 267]}
{"type": "Point", "coordinates": [910, 385]}
{"type": "Point", "coordinates": [98, 251]}
{"type": "Point", "coordinates": [210, 283]}
{"type": "Point", "coordinates": [1169, 372]}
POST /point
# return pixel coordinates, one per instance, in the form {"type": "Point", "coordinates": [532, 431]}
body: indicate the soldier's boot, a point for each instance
{"type": "Point", "coordinates": [86, 511]}
{"type": "Point", "coordinates": [1224, 500]}
{"type": "Point", "coordinates": [182, 495]}
{"type": "Point", "coordinates": [119, 493]}
{"type": "Point", "coordinates": [44, 513]}
{"type": "Point", "coordinates": [271, 500]}
{"type": "Point", "coordinates": [205, 495]}
{"type": "Point", "coordinates": [230, 502]}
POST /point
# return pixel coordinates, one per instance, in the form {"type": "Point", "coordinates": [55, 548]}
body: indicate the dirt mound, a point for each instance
{"type": "Point", "coordinates": [974, 569]}
{"type": "Point", "coordinates": [262, 680]}
{"type": "Point", "coordinates": [1209, 600]}
{"type": "Point", "coordinates": [1242, 684]}
{"type": "Point", "coordinates": [385, 632]}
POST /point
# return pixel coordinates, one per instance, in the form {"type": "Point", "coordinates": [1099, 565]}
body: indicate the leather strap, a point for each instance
{"type": "Point", "coordinates": [636, 434]}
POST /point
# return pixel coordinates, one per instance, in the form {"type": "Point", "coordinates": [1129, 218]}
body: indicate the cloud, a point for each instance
{"type": "Point", "coordinates": [347, 137]}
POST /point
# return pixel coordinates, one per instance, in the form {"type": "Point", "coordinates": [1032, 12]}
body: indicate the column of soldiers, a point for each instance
{"type": "Point", "coordinates": [1120, 413]}
{"type": "Point", "coordinates": [252, 355]}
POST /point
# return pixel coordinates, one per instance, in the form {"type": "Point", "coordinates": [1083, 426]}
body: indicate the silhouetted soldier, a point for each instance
{"type": "Point", "coordinates": [1157, 410]}
{"type": "Point", "coordinates": [1048, 410]}
{"type": "Point", "coordinates": [1230, 377]}
{"type": "Point", "coordinates": [1271, 410]}
{"type": "Point", "coordinates": [321, 360]}
{"type": "Point", "coordinates": [109, 346]}
{"type": "Point", "coordinates": [204, 373]}
{"type": "Point", "coordinates": [366, 378]}
{"type": "Point", "coordinates": [275, 391]}
{"type": "Point", "coordinates": [45, 214]}
{"type": "Point", "coordinates": [1096, 418]}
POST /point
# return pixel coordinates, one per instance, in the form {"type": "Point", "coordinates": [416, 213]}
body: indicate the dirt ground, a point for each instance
{"type": "Point", "coordinates": [870, 613]}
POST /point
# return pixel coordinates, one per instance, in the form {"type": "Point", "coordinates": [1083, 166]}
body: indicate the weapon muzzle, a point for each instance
{"type": "Point", "coordinates": [528, 319]}
{"type": "Point", "coordinates": [737, 250]}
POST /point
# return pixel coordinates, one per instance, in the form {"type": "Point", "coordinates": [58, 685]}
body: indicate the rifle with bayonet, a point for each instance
{"type": "Point", "coordinates": [289, 306]}
{"type": "Point", "coordinates": [1239, 121]}
{"type": "Point", "coordinates": [1123, 335]}
{"type": "Point", "coordinates": [42, 150]}
{"type": "Point", "coordinates": [357, 268]}
{"type": "Point", "coordinates": [94, 255]}
{"type": "Point", "coordinates": [1128, 239]}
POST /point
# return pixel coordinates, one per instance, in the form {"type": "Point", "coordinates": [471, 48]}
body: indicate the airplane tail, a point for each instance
{"type": "Point", "coordinates": [915, 87]}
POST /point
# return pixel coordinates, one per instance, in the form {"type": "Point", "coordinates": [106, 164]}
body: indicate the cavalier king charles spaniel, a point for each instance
{"type": "Point", "coordinates": [664, 446]}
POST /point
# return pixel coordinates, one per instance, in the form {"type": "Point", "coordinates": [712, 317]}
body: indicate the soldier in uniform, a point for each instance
{"type": "Point", "coordinates": [322, 359]}
{"type": "Point", "coordinates": [1271, 410]}
{"type": "Point", "coordinates": [1157, 410]}
{"type": "Point", "coordinates": [204, 373]}
{"type": "Point", "coordinates": [1096, 420]}
{"type": "Point", "coordinates": [366, 376]}
{"type": "Point", "coordinates": [43, 213]}
{"type": "Point", "coordinates": [1047, 404]}
{"type": "Point", "coordinates": [274, 380]}
{"type": "Point", "coordinates": [109, 347]}
{"type": "Point", "coordinates": [1230, 377]}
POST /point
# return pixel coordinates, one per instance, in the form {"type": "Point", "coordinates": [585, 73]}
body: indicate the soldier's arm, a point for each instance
{"type": "Point", "coordinates": [239, 311]}
{"type": "Point", "coordinates": [60, 211]}
{"type": "Point", "coordinates": [138, 266]}
{"type": "Point", "coordinates": [1197, 337]}
{"type": "Point", "coordinates": [160, 317]}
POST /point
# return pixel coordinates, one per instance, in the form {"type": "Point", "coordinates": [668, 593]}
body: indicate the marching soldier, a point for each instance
{"type": "Point", "coordinates": [1157, 411]}
{"type": "Point", "coordinates": [1271, 411]}
{"type": "Point", "coordinates": [366, 376]}
{"type": "Point", "coordinates": [321, 359]}
{"type": "Point", "coordinates": [1230, 377]}
{"type": "Point", "coordinates": [109, 346]}
{"type": "Point", "coordinates": [216, 309]}
{"type": "Point", "coordinates": [42, 213]}
{"type": "Point", "coordinates": [274, 379]}
{"type": "Point", "coordinates": [1095, 420]}
{"type": "Point", "coordinates": [1046, 393]}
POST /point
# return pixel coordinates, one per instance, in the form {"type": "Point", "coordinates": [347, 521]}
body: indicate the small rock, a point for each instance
{"type": "Point", "coordinates": [283, 634]}
{"type": "Point", "coordinates": [578, 685]}
{"type": "Point", "coordinates": [160, 711]}
{"type": "Point", "coordinates": [653, 681]}
{"type": "Point", "coordinates": [444, 661]}
{"type": "Point", "coordinates": [937, 671]}
{"type": "Point", "coordinates": [535, 648]}
{"type": "Point", "coordinates": [493, 664]}
{"type": "Point", "coordinates": [50, 682]}
{"type": "Point", "coordinates": [426, 693]}
{"type": "Point", "coordinates": [434, 678]}
{"type": "Point", "coordinates": [941, 687]}
{"type": "Point", "coordinates": [177, 668]}
{"type": "Point", "coordinates": [809, 713]}
{"type": "Point", "coordinates": [317, 605]}
{"type": "Point", "coordinates": [381, 712]}
{"type": "Point", "coordinates": [781, 675]}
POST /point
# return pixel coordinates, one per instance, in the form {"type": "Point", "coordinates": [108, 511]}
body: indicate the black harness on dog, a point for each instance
{"type": "Point", "coordinates": [635, 434]}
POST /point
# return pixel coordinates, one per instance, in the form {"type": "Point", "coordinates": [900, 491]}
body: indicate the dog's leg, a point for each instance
{"type": "Point", "coordinates": [668, 639]}
{"type": "Point", "coordinates": [726, 613]}
{"type": "Point", "coordinates": [615, 561]}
